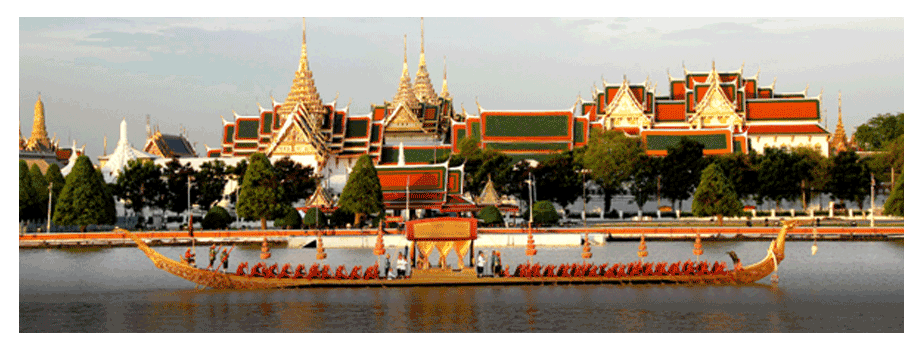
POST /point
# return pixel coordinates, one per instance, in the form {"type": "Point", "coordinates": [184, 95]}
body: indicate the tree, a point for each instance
{"type": "Point", "coordinates": [682, 169]}
{"type": "Point", "coordinates": [849, 178]}
{"type": "Point", "coordinates": [559, 179]}
{"type": "Point", "coordinates": [236, 173]}
{"type": "Point", "coordinates": [894, 204]}
{"type": "Point", "coordinates": [811, 168]}
{"type": "Point", "coordinates": [41, 192]}
{"type": "Point", "coordinates": [259, 193]}
{"type": "Point", "coordinates": [778, 178]}
{"type": "Point", "coordinates": [611, 158]}
{"type": "Point", "coordinates": [177, 182]}
{"type": "Point", "coordinates": [289, 219]}
{"type": "Point", "coordinates": [490, 216]}
{"type": "Point", "coordinates": [715, 196]}
{"type": "Point", "coordinates": [210, 178]}
{"type": "Point", "coordinates": [27, 193]}
{"type": "Point", "coordinates": [545, 213]}
{"type": "Point", "coordinates": [216, 218]}
{"type": "Point", "coordinates": [877, 133]}
{"type": "Point", "coordinates": [643, 184]}
{"type": "Point", "coordinates": [362, 194]}
{"type": "Point", "coordinates": [297, 181]}
{"type": "Point", "coordinates": [84, 200]}
{"type": "Point", "coordinates": [313, 216]}
{"type": "Point", "coordinates": [139, 185]}
{"type": "Point", "coordinates": [53, 176]}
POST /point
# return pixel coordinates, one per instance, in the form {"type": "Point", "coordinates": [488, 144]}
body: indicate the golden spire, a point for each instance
{"type": "Point", "coordinates": [405, 92]}
{"type": "Point", "coordinates": [39, 141]}
{"type": "Point", "coordinates": [444, 93]}
{"type": "Point", "coordinates": [302, 86]}
{"type": "Point", "coordinates": [839, 139]}
{"type": "Point", "coordinates": [423, 87]}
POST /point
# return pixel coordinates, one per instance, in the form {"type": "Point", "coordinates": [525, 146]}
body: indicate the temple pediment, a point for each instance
{"type": "Point", "coordinates": [402, 119]}
{"type": "Point", "coordinates": [715, 110]}
{"type": "Point", "coordinates": [624, 110]}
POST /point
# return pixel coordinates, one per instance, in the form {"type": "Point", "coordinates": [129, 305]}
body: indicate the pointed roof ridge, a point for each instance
{"type": "Point", "coordinates": [623, 89]}
{"type": "Point", "coordinates": [404, 91]}
{"type": "Point", "coordinates": [38, 140]}
{"type": "Point", "coordinates": [444, 94]}
{"type": "Point", "coordinates": [489, 196]}
{"type": "Point", "coordinates": [302, 86]}
{"type": "Point", "coordinates": [320, 198]}
{"type": "Point", "coordinates": [423, 86]}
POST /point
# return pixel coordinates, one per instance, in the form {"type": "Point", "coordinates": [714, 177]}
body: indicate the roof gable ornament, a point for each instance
{"type": "Point", "coordinates": [624, 110]}
{"type": "Point", "coordinates": [402, 119]}
{"type": "Point", "coordinates": [715, 109]}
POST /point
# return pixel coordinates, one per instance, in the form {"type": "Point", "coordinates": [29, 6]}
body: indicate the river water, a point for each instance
{"type": "Point", "coordinates": [845, 287]}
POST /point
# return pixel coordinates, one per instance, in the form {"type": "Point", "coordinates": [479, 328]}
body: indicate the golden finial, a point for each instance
{"type": "Point", "coordinates": [773, 82]}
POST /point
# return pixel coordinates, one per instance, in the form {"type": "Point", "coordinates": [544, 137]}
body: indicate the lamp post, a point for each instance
{"type": "Point", "coordinates": [50, 185]}
{"type": "Point", "coordinates": [584, 172]}
{"type": "Point", "coordinates": [872, 199]}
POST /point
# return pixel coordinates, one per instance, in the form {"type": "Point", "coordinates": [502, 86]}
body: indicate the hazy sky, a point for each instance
{"type": "Point", "coordinates": [92, 72]}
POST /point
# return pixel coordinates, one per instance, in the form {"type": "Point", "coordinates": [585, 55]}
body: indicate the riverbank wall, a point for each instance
{"type": "Point", "coordinates": [487, 237]}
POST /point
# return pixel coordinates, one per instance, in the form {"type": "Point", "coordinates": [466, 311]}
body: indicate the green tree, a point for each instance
{"type": "Point", "coordinates": [289, 219]}
{"type": "Point", "coordinates": [545, 214]}
{"type": "Point", "coordinates": [559, 179]}
{"type": "Point", "coordinates": [849, 178]}
{"type": "Point", "coordinates": [643, 184]}
{"type": "Point", "coordinates": [27, 193]}
{"type": "Point", "coordinates": [139, 185]}
{"type": "Point", "coordinates": [41, 192]}
{"type": "Point", "coordinates": [877, 133]}
{"type": "Point", "coordinates": [778, 178]}
{"type": "Point", "coordinates": [216, 218]}
{"type": "Point", "coordinates": [259, 193]}
{"type": "Point", "coordinates": [177, 183]}
{"type": "Point", "coordinates": [715, 196]}
{"type": "Point", "coordinates": [297, 181]}
{"type": "Point", "coordinates": [53, 175]}
{"type": "Point", "coordinates": [894, 204]}
{"type": "Point", "coordinates": [362, 194]}
{"type": "Point", "coordinates": [210, 178]}
{"type": "Point", "coordinates": [681, 169]}
{"type": "Point", "coordinates": [611, 157]}
{"type": "Point", "coordinates": [313, 216]}
{"type": "Point", "coordinates": [490, 216]}
{"type": "Point", "coordinates": [85, 199]}
{"type": "Point", "coordinates": [810, 168]}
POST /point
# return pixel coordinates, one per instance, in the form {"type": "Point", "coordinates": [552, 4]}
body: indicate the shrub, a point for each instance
{"type": "Point", "coordinates": [310, 218]}
{"type": "Point", "coordinates": [216, 218]}
{"type": "Point", "coordinates": [289, 218]}
{"type": "Point", "coordinates": [545, 214]}
{"type": "Point", "coordinates": [490, 216]}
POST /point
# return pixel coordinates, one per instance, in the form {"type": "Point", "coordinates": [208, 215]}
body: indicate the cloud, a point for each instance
{"type": "Point", "coordinates": [617, 26]}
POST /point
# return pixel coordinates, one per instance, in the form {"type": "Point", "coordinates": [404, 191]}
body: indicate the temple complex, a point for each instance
{"type": "Point", "coordinates": [40, 150]}
{"type": "Point", "coordinates": [408, 135]}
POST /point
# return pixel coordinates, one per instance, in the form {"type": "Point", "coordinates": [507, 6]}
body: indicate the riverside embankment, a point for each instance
{"type": "Point", "coordinates": [487, 237]}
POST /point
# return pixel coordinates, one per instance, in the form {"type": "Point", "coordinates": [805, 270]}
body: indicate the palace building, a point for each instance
{"type": "Point", "coordinates": [726, 111]}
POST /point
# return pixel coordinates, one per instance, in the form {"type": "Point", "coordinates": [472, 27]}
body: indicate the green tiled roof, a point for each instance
{"type": "Point", "coordinates": [662, 142]}
{"type": "Point", "coordinates": [526, 125]}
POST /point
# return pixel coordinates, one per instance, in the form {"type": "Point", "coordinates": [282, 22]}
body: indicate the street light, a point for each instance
{"type": "Point", "coordinates": [584, 172]}
{"type": "Point", "coordinates": [50, 185]}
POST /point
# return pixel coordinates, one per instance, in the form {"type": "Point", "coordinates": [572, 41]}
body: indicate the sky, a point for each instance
{"type": "Point", "coordinates": [185, 73]}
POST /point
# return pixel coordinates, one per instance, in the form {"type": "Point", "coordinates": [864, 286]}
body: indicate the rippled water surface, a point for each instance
{"type": "Point", "coordinates": [846, 287]}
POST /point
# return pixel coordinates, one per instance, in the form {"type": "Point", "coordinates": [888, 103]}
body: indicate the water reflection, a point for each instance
{"type": "Point", "coordinates": [848, 286]}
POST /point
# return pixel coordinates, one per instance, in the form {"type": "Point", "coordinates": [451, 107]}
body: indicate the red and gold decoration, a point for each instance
{"type": "Point", "coordinates": [530, 247]}
{"type": "Point", "coordinates": [642, 249]}
{"type": "Point", "coordinates": [443, 235]}
{"type": "Point", "coordinates": [587, 254]}
{"type": "Point", "coordinates": [379, 243]}
{"type": "Point", "coordinates": [698, 251]}
{"type": "Point", "coordinates": [265, 250]}
{"type": "Point", "coordinates": [320, 253]}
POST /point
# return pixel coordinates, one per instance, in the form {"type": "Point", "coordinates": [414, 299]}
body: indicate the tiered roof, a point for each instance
{"type": "Point", "coordinates": [423, 87]}
{"type": "Point", "coordinates": [302, 87]}
{"type": "Point", "coordinates": [405, 94]}
{"type": "Point", "coordinates": [38, 141]}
